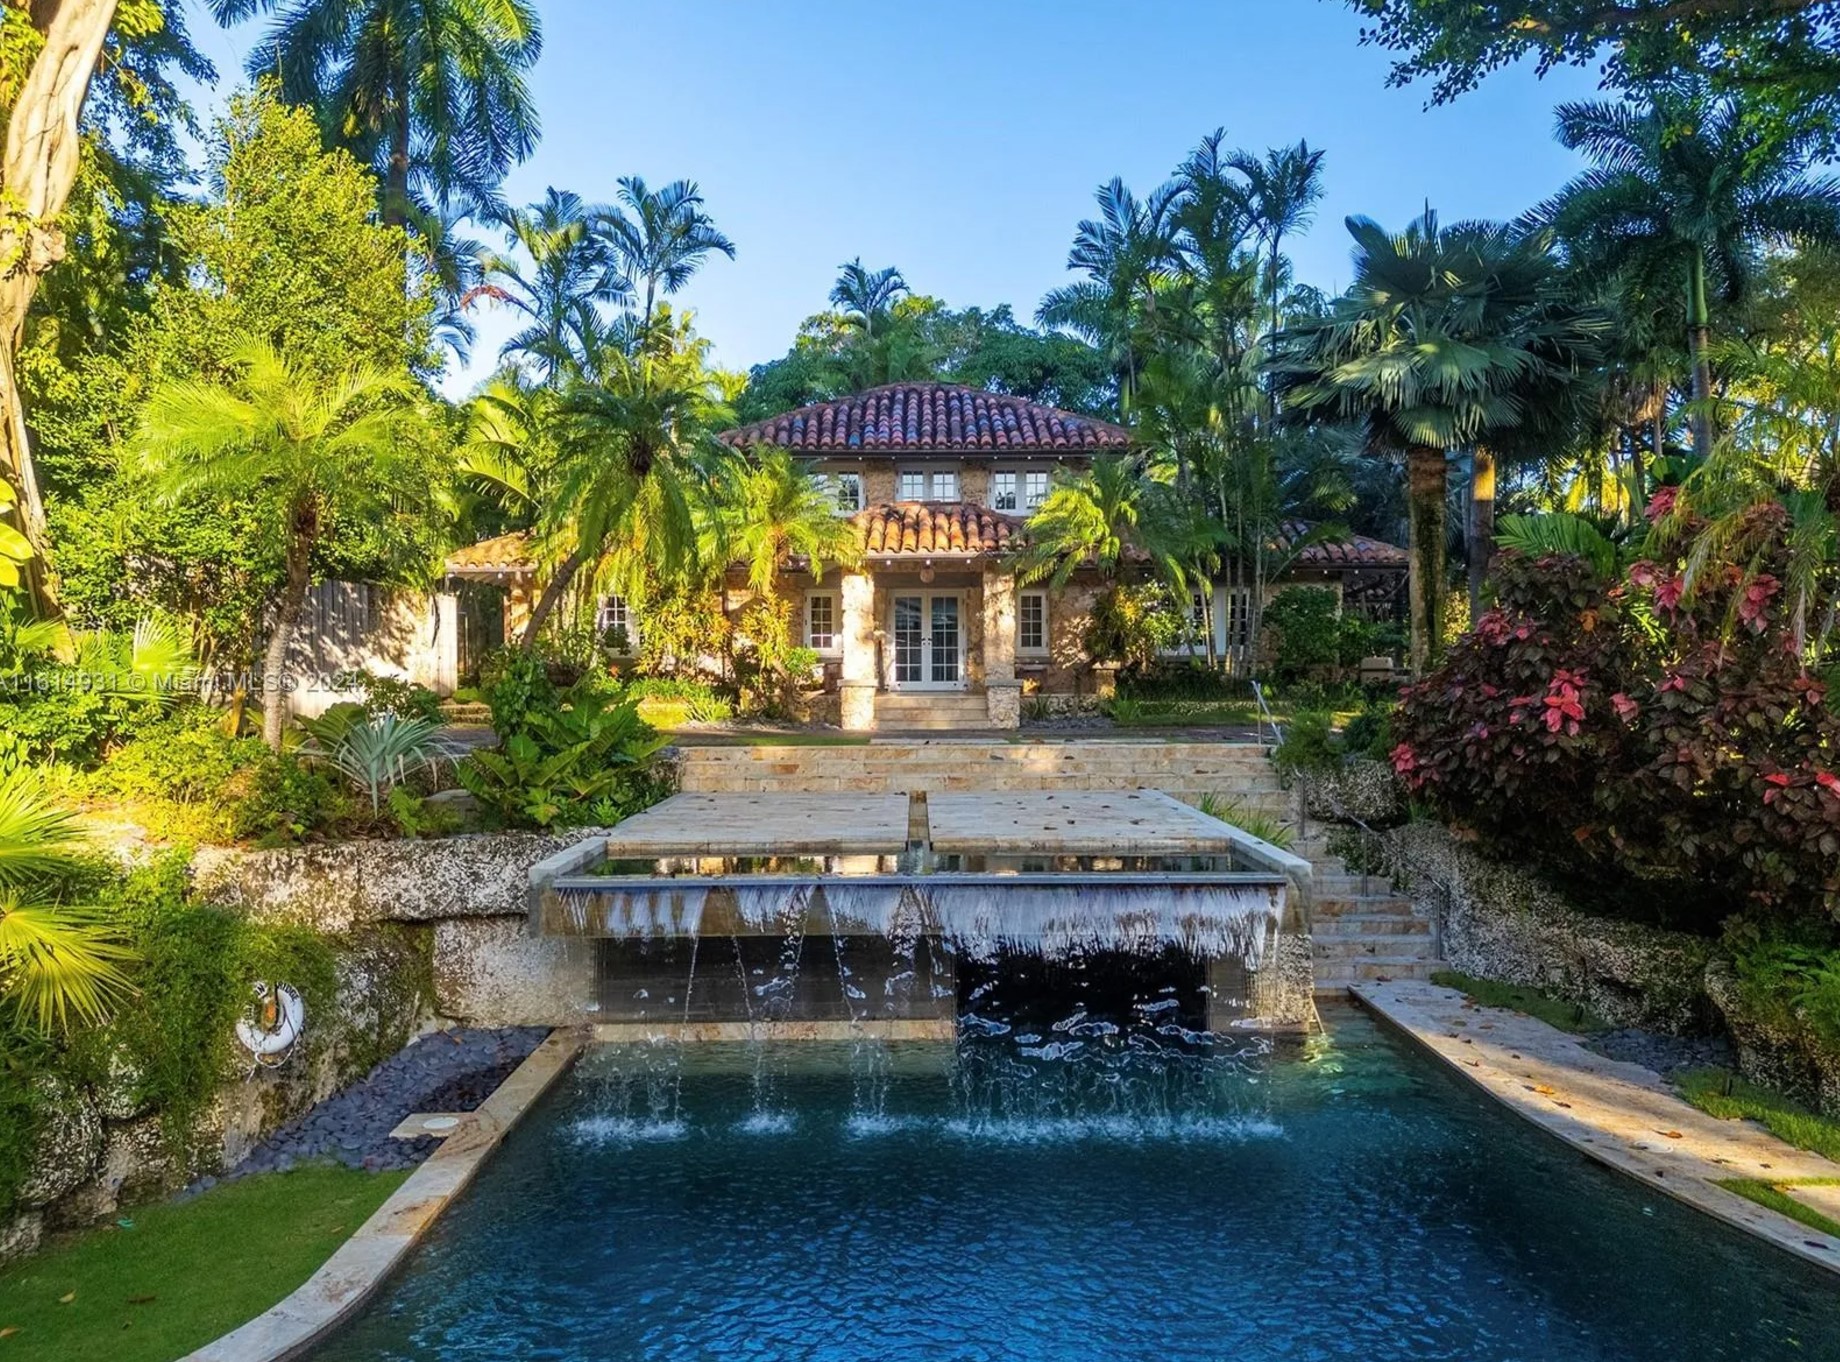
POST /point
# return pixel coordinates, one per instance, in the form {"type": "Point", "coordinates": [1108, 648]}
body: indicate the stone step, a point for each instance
{"type": "Point", "coordinates": [1347, 925]}
{"type": "Point", "coordinates": [1334, 973]}
{"type": "Point", "coordinates": [1373, 948]}
{"type": "Point", "coordinates": [1337, 905]}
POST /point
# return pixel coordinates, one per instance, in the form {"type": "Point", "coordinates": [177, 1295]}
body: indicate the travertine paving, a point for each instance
{"type": "Point", "coordinates": [766, 824]}
{"type": "Point", "coordinates": [1620, 1114]}
{"type": "Point", "coordinates": [1073, 822]}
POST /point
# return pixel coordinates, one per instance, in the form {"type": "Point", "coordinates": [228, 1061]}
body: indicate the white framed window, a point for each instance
{"type": "Point", "coordinates": [845, 489]}
{"type": "Point", "coordinates": [1032, 622]}
{"type": "Point", "coordinates": [1239, 618]}
{"type": "Point", "coordinates": [1034, 489]}
{"type": "Point", "coordinates": [616, 624]}
{"type": "Point", "coordinates": [1003, 491]}
{"type": "Point", "coordinates": [821, 621]}
{"type": "Point", "coordinates": [941, 484]}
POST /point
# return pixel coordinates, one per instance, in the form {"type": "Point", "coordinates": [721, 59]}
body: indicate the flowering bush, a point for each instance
{"type": "Point", "coordinates": [1642, 727]}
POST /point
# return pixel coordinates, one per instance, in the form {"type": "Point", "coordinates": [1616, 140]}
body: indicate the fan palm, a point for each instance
{"type": "Point", "coordinates": [658, 238]}
{"type": "Point", "coordinates": [59, 963]}
{"type": "Point", "coordinates": [559, 291]}
{"type": "Point", "coordinates": [430, 93]}
{"type": "Point", "coordinates": [317, 450]}
{"type": "Point", "coordinates": [1684, 193]}
{"type": "Point", "coordinates": [1438, 342]}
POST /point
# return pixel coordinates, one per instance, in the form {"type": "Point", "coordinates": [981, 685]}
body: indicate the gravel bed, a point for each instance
{"type": "Point", "coordinates": [1664, 1054]}
{"type": "Point", "coordinates": [443, 1071]}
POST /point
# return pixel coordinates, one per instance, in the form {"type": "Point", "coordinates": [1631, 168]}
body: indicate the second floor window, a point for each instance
{"type": "Point", "coordinates": [941, 484]}
{"type": "Point", "coordinates": [1034, 489]}
{"type": "Point", "coordinates": [844, 488]}
{"type": "Point", "coordinates": [1003, 492]}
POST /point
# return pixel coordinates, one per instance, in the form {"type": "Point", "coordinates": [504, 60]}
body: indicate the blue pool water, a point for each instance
{"type": "Point", "coordinates": [1336, 1198]}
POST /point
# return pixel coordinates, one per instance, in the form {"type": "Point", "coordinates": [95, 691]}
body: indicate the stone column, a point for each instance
{"type": "Point", "coordinates": [857, 681]}
{"type": "Point", "coordinates": [1002, 691]}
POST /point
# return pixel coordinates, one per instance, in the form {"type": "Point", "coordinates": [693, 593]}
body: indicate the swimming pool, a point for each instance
{"type": "Point", "coordinates": [1069, 1194]}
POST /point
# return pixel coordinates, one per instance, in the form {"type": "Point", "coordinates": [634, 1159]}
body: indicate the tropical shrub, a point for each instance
{"type": "Point", "coordinates": [277, 799]}
{"type": "Point", "coordinates": [1132, 625]}
{"type": "Point", "coordinates": [1308, 744]}
{"type": "Point", "coordinates": [586, 759]}
{"type": "Point", "coordinates": [394, 696]}
{"type": "Point", "coordinates": [1645, 726]}
{"type": "Point", "coordinates": [771, 666]}
{"type": "Point", "coordinates": [1312, 633]}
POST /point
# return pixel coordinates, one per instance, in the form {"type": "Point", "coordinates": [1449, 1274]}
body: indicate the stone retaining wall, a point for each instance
{"type": "Point", "coordinates": [1498, 921]}
{"type": "Point", "coordinates": [1188, 770]}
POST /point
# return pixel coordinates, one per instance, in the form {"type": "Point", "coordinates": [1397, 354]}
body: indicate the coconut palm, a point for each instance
{"type": "Point", "coordinates": [867, 297]}
{"type": "Point", "coordinates": [1440, 341]}
{"type": "Point", "coordinates": [430, 93]}
{"type": "Point", "coordinates": [316, 450]}
{"type": "Point", "coordinates": [557, 283]}
{"type": "Point", "coordinates": [634, 438]}
{"type": "Point", "coordinates": [59, 963]}
{"type": "Point", "coordinates": [658, 239]}
{"type": "Point", "coordinates": [1684, 194]}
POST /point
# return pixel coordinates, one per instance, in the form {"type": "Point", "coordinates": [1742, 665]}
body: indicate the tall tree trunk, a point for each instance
{"type": "Point", "coordinates": [1426, 471]}
{"type": "Point", "coordinates": [1699, 345]}
{"type": "Point", "coordinates": [43, 146]}
{"type": "Point", "coordinates": [287, 614]}
{"type": "Point", "coordinates": [1481, 534]}
{"type": "Point", "coordinates": [396, 177]}
{"type": "Point", "coordinates": [552, 595]}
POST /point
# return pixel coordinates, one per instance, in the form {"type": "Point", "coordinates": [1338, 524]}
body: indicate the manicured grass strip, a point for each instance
{"type": "Point", "coordinates": [1183, 714]}
{"type": "Point", "coordinates": [187, 1271]}
{"type": "Point", "coordinates": [1573, 1017]}
{"type": "Point", "coordinates": [1772, 1196]}
{"type": "Point", "coordinates": [1721, 1093]}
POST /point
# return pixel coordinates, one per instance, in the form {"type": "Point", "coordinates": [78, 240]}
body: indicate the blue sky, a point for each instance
{"type": "Point", "coordinates": [962, 141]}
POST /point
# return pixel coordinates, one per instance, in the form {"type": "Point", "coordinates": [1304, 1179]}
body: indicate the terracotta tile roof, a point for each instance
{"type": "Point", "coordinates": [922, 417]}
{"type": "Point", "coordinates": [956, 529]}
{"type": "Point", "coordinates": [509, 553]}
{"type": "Point", "coordinates": [1354, 550]}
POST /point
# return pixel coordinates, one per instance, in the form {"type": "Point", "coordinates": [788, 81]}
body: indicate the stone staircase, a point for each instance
{"type": "Point", "coordinates": [1362, 931]}
{"type": "Point", "coordinates": [931, 711]}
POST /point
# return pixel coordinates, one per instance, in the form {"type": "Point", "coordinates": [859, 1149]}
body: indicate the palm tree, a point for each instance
{"type": "Point", "coordinates": [59, 962]}
{"type": "Point", "coordinates": [316, 450]}
{"type": "Point", "coordinates": [634, 439]}
{"type": "Point", "coordinates": [769, 510]}
{"type": "Point", "coordinates": [1438, 342]}
{"type": "Point", "coordinates": [1126, 255]}
{"type": "Point", "coordinates": [569, 274]}
{"type": "Point", "coordinates": [659, 239]}
{"type": "Point", "coordinates": [866, 296]}
{"type": "Point", "coordinates": [1102, 517]}
{"type": "Point", "coordinates": [1281, 194]}
{"type": "Point", "coordinates": [429, 92]}
{"type": "Point", "coordinates": [1685, 192]}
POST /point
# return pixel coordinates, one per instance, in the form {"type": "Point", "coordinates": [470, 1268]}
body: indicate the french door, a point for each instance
{"type": "Point", "coordinates": [929, 641]}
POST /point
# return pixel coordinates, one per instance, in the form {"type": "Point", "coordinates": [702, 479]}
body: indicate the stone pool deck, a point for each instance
{"type": "Point", "coordinates": [1622, 1115]}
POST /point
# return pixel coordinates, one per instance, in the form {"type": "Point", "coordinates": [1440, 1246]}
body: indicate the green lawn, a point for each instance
{"type": "Point", "coordinates": [1721, 1093]}
{"type": "Point", "coordinates": [1183, 714]}
{"type": "Point", "coordinates": [1553, 1011]}
{"type": "Point", "coordinates": [180, 1273]}
{"type": "Point", "coordinates": [1771, 1194]}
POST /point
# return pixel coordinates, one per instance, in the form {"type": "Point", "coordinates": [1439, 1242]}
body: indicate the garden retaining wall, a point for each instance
{"type": "Point", "coordinates": [101, 1146]}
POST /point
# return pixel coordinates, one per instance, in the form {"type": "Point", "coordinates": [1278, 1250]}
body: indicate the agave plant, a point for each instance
{"type": "Point", "coordinates": [375, 753]}
{"type": "Point", "coordinates": [59, 963]}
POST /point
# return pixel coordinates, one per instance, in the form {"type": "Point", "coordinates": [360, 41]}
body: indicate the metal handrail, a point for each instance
{"type": "Point", "coordinates": [1266, 716]}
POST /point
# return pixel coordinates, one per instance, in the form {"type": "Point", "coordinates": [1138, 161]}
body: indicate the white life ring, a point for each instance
{"type": "Point", "coordinates": [272, 1024]}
